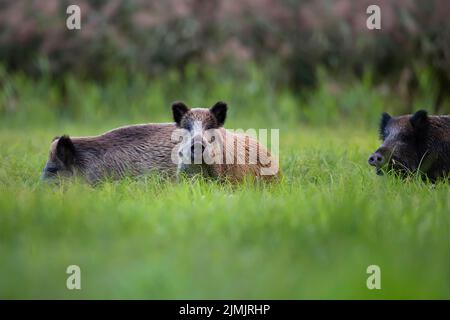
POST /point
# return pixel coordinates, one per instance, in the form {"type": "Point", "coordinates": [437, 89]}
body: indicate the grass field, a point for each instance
{"type": "Point", "coordinates": [312, 235]}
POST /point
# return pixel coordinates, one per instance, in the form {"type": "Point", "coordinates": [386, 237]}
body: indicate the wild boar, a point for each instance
{"type": "Point", "coordinates": [414, 143]}
{"type": "Point", "coordinates": [215, 152]}
{"type": "Point", "coordinates": [127, 151]}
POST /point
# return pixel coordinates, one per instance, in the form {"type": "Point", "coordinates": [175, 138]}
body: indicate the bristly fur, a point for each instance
{"type": "Point", "coordinates": [178, 111]}
{"type": "Point", "coordinates": [219, 110]}
{"type": "Point", "coordinates": [419, 143]}
{"type": "Point", "coordinates": [419, 119]}
{"type": "Point", "coordinates": [241, 167]}
{"type": "Point", "coordinates": [65, 150]}
{"type": "Point", "coordinates": [385, 117]}
{"type": "Point", "coordinates": [127, 151]}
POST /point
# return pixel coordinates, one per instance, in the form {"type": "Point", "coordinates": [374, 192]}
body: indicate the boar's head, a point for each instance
{"type": "Point", "coordinates": [403, 147]}
{"type": "Point", "coordinates": [199, 129]}
{"type": "Point", "coordinates": [61, 159]}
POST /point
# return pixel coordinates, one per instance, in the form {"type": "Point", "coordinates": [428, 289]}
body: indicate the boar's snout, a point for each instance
{"type": "Point", "coordinates": [197, 149]}
{"type": "Point", "coordinates": [377, 159]}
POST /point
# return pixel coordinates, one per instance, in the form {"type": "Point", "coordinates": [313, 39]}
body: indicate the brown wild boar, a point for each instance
{"type": "Point", "coordinates": [127, 151]}
{"type": "Point", "coordinates": [213, 151]}
{"type": "Point", "coordinates": [414, 143]}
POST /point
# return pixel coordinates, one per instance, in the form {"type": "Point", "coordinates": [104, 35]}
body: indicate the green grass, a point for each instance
{"type": "Point", "coordinates": [310, 236]}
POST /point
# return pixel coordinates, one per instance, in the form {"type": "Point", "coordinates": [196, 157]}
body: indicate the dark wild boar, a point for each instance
{"type": "Point", "coordinates": [416, 143]}
{"type": "Point", "coordinates": [127, 151]}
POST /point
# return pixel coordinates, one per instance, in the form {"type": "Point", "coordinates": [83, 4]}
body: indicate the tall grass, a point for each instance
{"type": "Point", "coordinates": [311, 235]}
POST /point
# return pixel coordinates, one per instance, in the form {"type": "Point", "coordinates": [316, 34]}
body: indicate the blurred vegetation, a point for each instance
{"type": "Point", "coordinates": [310, 68]}
{"type": "Point", "coordinates": [290, 42]}
{"type": "Point", "coordinates": [248, 91]}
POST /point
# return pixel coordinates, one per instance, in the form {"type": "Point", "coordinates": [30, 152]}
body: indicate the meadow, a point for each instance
{"type": "Point", "coordinates": [311, 235]}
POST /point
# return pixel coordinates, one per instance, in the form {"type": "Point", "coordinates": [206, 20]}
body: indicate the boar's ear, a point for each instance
{"type": "Point", "coordinates": [419, 120]}
{"type": "Point", "coordinates": [65, 150]}
{"type": "Point", "coordinates": [178, 111]}
{"type": "Point", "coordinates": [385, 117]}
{"type": "Point", "coordinates": [219, 110]}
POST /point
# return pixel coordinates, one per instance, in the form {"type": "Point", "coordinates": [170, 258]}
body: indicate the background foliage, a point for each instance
{"type": "Point", "coordinates": [309, 68]}
{"type": "Point", "coordinates": [288, 41]}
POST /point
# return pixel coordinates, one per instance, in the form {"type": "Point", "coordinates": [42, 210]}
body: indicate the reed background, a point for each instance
{"type": "Point", "coordinates": [309, 68]}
